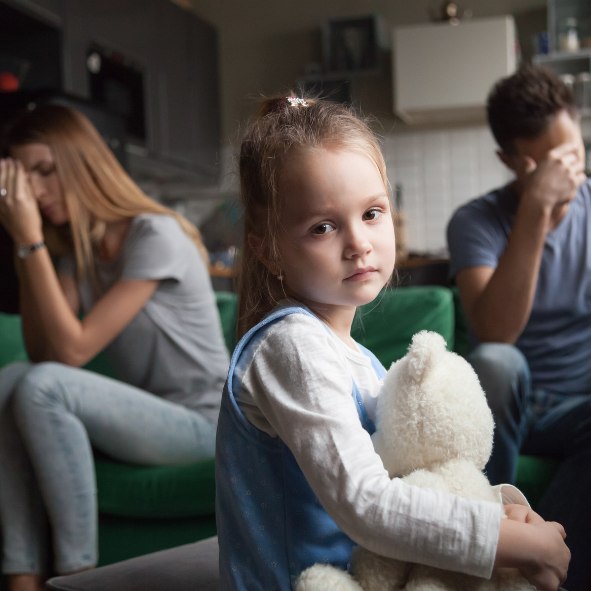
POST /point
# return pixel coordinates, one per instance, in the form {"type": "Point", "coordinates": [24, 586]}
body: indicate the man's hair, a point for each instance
{"type": "Point", "coordinates": [525, 104]}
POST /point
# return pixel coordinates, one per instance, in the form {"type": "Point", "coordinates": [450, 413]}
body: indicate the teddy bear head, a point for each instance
{"type": "Point", "coordinates": [431, 409]}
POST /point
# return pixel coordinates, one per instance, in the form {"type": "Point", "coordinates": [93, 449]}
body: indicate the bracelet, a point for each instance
{"type": "Point", "coordinates": [25, 251]}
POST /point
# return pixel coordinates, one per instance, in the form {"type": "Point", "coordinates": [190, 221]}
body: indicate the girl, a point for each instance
{"type": "Point", "coordinates": [298, 481]}
{"type": "Point", "coordinates": [137, 270]}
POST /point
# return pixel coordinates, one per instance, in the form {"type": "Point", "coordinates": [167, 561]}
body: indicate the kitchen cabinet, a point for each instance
{"type": "Point", "coordinates": [204, 97]}
{"type": "Point", "coordinates": [444, 72]}
{"type": "Point", "coordinates": [177, 53]}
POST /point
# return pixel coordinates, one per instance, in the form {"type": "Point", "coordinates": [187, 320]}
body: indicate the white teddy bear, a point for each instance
{"type": "Point", "coordinates": [434, 430]}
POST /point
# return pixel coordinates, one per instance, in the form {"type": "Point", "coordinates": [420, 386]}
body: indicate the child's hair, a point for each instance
{"type": "Point", "coordinates": [282, 126]}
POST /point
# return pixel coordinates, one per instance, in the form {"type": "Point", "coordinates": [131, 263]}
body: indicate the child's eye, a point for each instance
{"type": "Point", "coordinates": [323, 229]}
{"type": "Point", "coordinates": [372, 215]}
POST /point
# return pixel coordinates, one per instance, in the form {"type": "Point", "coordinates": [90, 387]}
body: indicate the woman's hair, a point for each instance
{"type": "Point", "coordinates": [96, 188]}
{"type": "Point", "coordinates": [282, 126]}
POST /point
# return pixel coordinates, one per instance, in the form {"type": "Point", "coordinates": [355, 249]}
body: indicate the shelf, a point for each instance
{"type": "Point", "coordinates": [562, 56]}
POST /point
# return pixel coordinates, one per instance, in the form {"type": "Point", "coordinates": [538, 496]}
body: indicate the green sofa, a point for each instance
{"type": "Point", "coordinates": [145, 509]}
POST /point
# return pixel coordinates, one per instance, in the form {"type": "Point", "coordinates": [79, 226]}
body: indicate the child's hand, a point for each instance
{"type": "Point", "coordinates": [535, 547]}
{"type": "Point", "coordinates": [548, 568]}
{"type": "Point", "coordinates": [523, 514]}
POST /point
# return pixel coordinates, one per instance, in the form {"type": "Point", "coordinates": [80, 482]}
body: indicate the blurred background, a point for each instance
{"type": "Point", "coordinates": [171, 85]}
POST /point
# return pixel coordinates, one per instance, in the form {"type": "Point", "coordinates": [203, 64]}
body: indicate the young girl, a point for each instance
{"type": "Point", "coordinates": [138, 272]}
{"type": "Point", "coordinates": [298, 481]}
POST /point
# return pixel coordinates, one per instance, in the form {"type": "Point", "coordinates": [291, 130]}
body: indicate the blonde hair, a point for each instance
{"type": "Point", "coordinates": [281, 125]}
{"type": "Point", "coordinates": [96, 188]}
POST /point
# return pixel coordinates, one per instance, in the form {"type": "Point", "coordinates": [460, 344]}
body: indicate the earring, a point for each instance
{"type": "Point", "coordinates": [280, 276]}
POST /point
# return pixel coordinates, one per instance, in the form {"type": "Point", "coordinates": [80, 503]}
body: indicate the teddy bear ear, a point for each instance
{"type": "Point", "coordinates": [426, 348]}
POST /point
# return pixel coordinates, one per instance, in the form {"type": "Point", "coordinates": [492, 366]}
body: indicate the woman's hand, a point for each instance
{"type": "Point", "coordinates": [19, 212]}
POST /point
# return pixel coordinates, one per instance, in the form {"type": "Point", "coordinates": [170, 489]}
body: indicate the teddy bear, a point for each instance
{"type": "Point", "coordinates": [434, 430]}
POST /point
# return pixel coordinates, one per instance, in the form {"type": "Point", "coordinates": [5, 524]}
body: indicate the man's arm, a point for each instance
{"type": "Point", "coordinates": [498, 301]}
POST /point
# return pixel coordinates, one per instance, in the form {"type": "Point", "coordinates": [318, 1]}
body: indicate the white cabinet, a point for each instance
{"type": "Point", "coordinates": [444, 72]}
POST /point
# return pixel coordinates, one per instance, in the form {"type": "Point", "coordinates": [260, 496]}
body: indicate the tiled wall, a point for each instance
{"type": "Point", "coordinates": [439, 171]}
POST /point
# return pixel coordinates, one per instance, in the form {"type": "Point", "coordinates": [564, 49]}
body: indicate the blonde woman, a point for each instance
{"type": "Point", "coordinates": [137, 272]}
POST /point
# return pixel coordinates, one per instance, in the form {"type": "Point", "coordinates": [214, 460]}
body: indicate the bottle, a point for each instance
{"type": "Point", "coordinates": [568, 35]}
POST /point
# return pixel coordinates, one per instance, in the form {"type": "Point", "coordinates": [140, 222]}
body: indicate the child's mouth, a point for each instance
{"type": "Point", "coordinates": [361, 274]}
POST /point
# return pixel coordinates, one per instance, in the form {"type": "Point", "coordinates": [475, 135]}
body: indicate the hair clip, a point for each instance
{"type": "Point", "coordinates": [295, 101]}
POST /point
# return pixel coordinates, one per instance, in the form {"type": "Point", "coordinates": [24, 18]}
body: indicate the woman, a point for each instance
{"type": "Point", "coordinates": [137, 271]}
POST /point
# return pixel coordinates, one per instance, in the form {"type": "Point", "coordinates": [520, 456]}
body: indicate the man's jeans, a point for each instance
{"type": "Point", "coordinates": [541, 423]}
{"type": "Point", "coordinates": [50, 414]}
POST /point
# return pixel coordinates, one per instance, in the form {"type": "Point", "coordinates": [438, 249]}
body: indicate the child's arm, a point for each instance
{"type": "Point", "coordinates": [534, 546]}
{"type": "Point", "coordinates": [302, 386]}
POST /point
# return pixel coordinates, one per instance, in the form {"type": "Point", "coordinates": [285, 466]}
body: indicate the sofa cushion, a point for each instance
{"type": "Point", "coordinates": [12, 343]}
{"type": "Point", "coordinates": [461, 340]}
{"type": "Point", "coordinates": [228, 308]}
{"type": "Point", "coordinates": [155, 491]}
{"type": "Point", "coordinates": [387, 325]}
{"type": "Point", "coordinates": [122, 538]}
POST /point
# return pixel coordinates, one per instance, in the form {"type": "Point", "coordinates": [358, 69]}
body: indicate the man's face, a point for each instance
{"type": "Point", "coordinates": [562, 130]}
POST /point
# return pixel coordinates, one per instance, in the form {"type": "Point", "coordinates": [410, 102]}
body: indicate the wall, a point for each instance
{"type": "Point", "coordinates": [439, 171]}
{"type": "Point", "coordinates": [264, 47]}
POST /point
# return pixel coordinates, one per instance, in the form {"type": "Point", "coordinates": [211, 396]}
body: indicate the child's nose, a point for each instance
{"type": "Point", "coordinates": [358, 243]}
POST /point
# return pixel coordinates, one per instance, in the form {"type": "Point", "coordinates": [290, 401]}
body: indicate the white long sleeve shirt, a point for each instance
{"type": "Point", "coordinates": [297, 386]}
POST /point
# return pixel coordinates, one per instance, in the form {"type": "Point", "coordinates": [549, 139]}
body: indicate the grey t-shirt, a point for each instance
{"type": "Point", "coordinates": [174, 347]}
{"type": "Point", "coordinates": [557, 338]}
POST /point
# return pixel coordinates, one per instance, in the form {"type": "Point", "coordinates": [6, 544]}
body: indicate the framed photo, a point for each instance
{"type": "Point", "coordinates": [352, 45]}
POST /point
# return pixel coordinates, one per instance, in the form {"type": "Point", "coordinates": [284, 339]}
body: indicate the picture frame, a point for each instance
{"type": "Point", "coordinates": [353, 46]}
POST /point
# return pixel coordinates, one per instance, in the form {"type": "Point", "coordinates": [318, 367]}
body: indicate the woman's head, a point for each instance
{"type": "Point", "coordinates": [79, 184]}
{"type": "Point", "coordinates": [314, 188]}
{"type": "Point", "coordinates": [45, 184]}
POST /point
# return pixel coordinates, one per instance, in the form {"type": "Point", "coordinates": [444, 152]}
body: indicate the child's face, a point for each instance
{"type": "Point", "coordinates": [336, 239]}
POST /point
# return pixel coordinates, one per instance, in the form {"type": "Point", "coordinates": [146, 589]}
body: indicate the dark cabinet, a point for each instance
{"type": "Point", "coordinates": [177, 53]}
{"type": "Point", "coordinates": [174, 83]}
{"type": "Point", "coordinates": [203, 76]}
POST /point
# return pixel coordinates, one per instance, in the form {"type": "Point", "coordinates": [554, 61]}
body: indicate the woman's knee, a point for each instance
{"type": "Point", "coordinates": [502, 370]}
{"type": "Point", "coordinates": [10, 376]}
{"type": "Point", "coordinates": [40, 386]}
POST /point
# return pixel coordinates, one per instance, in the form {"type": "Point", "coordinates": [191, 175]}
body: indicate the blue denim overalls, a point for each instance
{"type": "Point", "coordinates": [271, 525]}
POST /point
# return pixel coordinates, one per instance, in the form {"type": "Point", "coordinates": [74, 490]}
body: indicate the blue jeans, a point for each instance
{"type": "Point", "coordinates": [50, 415]}
{"type": "Point", "coordinates": [541, 423]}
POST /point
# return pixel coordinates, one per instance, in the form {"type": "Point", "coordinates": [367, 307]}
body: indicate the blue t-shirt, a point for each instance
{"type": "Point", "coordinates": [557, 338]}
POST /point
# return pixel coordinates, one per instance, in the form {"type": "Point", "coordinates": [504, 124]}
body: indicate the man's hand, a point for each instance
{"type": "Point", "coordinates": [554, 181]}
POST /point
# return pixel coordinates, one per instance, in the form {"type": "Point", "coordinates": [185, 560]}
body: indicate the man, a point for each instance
{"type": "Point", "coordinates": [521, 257]}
